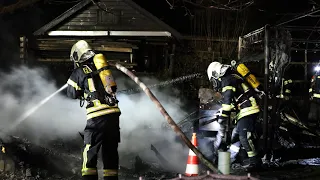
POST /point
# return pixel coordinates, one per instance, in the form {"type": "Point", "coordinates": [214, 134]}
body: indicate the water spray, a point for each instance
{"type": "Point", "coordinates": [165, 83]}
{"type": "Point", "coordinates": [174, 126]}
{"type": "Point", "coordinates": [25, 115]}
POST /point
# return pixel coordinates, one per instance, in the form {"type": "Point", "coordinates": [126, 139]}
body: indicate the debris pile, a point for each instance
{"type": "Point", "coordinates": [61, 159]}
{"type": "Point", "coordinates": [210, 176]}
{"type": "Point", "coordinates": [25, 160]}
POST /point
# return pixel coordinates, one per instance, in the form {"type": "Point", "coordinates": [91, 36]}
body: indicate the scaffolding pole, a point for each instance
{"type": "Point", "coordinates": [239, 47]}
{"type": "Point", "coordinates": [254, 32]}
{"type": "Point", "coordinates": [266, 80]}
{"type": "Point", "coordinates": [306, 65]}
{"type": "Point", "coordinates": [299, 17]}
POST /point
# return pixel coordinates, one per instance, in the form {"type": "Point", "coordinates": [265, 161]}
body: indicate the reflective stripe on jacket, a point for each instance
{"type": "Point", "coordinates": [82, 85]}
{"type": "Point", "coordinates": [236, 91]}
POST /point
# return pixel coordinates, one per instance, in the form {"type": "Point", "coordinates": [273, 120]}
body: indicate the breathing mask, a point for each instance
{"type": "Point", "coordinates": [216, 83]}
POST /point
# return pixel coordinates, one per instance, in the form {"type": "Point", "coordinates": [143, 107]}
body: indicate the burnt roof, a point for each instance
{"type": "Point", "coordinates": [81, 5]}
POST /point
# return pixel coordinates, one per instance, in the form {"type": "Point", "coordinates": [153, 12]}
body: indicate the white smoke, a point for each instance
{"type": "Point", "coordinates": [141, 125]}
{"type": "Point", "coordinates": [61, 117]}
{"type": "Point", "coordinates": [22, 89]}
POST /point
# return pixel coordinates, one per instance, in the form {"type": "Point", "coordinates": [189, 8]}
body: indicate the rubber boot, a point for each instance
{"type": "Point", "coordinates": [91, 177]}
{"type": "Point", "coordinates": [255, 164]}
{"type": "Point", "coordinates": [234, 151]}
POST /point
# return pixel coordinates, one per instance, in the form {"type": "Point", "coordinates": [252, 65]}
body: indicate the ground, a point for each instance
{"type": "Point", "coordinates": [24, 160]}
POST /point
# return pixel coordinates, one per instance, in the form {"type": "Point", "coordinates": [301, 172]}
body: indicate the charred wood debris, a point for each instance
{"type": "Point", "coordinates": [293, 153]}
{"type": "Point", "coordinates": [60, 159]}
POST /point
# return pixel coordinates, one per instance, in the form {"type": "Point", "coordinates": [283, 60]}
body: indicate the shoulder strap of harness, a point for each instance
{"type": "Point", "coordinates": [98, 71]}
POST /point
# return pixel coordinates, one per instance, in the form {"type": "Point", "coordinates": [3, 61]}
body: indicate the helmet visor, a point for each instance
{"type": "Point", "coordinates": [89, 54]}
{"type": "Point", "coordinates": [224, 69]}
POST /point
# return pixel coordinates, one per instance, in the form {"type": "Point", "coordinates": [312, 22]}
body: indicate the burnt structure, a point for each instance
{"type": "Point", "coordinates": [120, 29]}
{"type": "Point", "coordinates": [299, 37]}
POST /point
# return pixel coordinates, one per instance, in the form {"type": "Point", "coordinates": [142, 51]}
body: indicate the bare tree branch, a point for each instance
{"type": "Point", "coordinates": [170, 4]}
{"type": "Point", "coordinates": [16, 6]}
{"type": "Point", "coordinates": [229, 5]}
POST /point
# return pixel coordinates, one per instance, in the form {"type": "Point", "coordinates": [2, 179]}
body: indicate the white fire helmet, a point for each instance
{"type": "Point", "coordinates": [81, 51]}
{"type": "Point", "coordinates": [216, 70]}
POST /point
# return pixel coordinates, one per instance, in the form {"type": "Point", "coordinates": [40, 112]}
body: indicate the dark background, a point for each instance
{"type": "Point", "coordinates": [24, 21]}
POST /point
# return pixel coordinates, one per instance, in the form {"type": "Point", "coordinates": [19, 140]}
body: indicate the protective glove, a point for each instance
{"type": "Point", "coordinates": [111, 100]}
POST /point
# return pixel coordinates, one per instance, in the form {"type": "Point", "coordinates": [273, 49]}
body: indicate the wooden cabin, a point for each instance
{"type": "Point", "coordinates": [120, 29]}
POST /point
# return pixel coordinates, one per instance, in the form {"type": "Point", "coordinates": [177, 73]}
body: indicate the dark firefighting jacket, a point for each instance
{"type": "Point", "coordinates": [237, 94]}
{"type": "Point", "coordinates": [314, 90]}
{"type": "Point", "coordinates": [84, 83]}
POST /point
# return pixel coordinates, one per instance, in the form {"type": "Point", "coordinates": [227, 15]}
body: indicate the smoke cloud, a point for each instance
{"type": "Point", "coordinates": [62, 118]}
{"type": "Point", "coordinates": [141, 124]}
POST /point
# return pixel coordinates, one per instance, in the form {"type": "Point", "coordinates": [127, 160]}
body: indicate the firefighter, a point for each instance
{"type": "Point", "coordinates": [287, 87]}
{"type": "Point", "coordinates": [236, 94]}
{"type": "Point", "coordinates": [285, 95]}
{"type": "Point", "coordinates": [92, 81]}
{"type": "Point", "coordinates": [314, 94]}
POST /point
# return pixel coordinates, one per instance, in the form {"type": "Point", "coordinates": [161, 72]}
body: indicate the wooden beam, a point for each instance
{"type": "Point", "coordinates": [74, 40]}
{"type": "Point", "coordinates": [67, 60]}
{"type": "Point", "coordinates": [114, 49]}
{"type": "Point", "coordinates": [110, 33]}
{"type": "Point", "coordinates": [201, 38]}
{"type": "Point", "coordinates": [62, 17]}
{"type": "Point", "coordinates": [94, 47]}
{"type": "Point", "coordinates": [126, 42]}
{"type": "Point", "coordinates": [109, 49]}
{"type": "Point", "coordinates": [68, 43]}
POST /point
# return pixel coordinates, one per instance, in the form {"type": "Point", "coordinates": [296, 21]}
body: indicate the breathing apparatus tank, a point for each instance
{"type": "Point", "coordinates": [105, 73]}
{"type": "Point", "coordinates": [247, 76]}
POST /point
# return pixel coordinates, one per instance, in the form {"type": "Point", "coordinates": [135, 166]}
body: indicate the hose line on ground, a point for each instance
{"type": "Point", "coordinates": [173, 125]}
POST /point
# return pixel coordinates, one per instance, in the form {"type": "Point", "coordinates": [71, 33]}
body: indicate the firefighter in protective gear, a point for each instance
{"type": "Point", "coordinates": [286, 87]}
{"type": "Point", "coordinates": [314, 94]}
{"type": "Point", "coordinates": [236, 94]}
{"type": "Point", "coordinates": [285, 94]}
{"type": "Point", "coordinates": [94, 83]}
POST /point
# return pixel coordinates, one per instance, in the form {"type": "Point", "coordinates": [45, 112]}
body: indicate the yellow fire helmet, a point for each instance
{"type": "Point", "coordinates": [81, 51]}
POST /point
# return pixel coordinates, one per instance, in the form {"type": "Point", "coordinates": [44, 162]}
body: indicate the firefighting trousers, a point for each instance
{"type": "Point", "coordinates": [244, 132]}
{"type": "Point", "coordinates": [314, 112]}
{"type": "Point", "coordinates": [101, 134]}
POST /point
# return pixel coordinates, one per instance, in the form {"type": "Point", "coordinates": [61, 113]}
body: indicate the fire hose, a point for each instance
{"type": "Point", "coordinates": [173, 81]}
{"type": "Point", "coordinates": [173, 125]}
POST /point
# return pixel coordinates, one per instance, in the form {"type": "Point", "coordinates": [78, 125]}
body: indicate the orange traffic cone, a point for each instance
{"type": "Point", "coordinates": [193, 162]}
